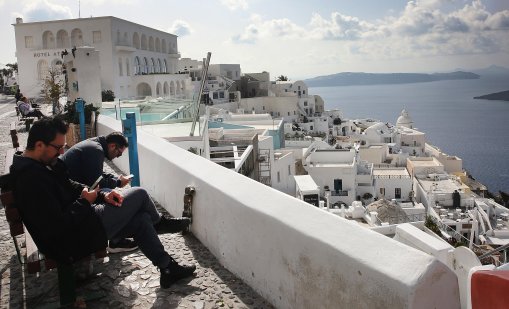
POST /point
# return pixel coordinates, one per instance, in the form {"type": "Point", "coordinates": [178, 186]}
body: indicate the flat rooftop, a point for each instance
{"type": "Point", "coordinates": [390, 172]}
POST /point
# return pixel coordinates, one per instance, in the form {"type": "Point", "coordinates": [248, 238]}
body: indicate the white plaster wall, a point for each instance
{"type": "Point", "coordinates": [286, 168]}
{"type": "Point", "coordinates": [295, 259]}
{"type": "Point", "coordinates": [390, 184]}
{"type": "Point", "coordinates": [373, 154]}
{"type": "Point", "coordinates": [87, 75]}
{"type": "Point", "coordinates": [285, 106]}
{"type": "Point", "coordinates": [320, 125]}
{"type": "Point", "coordinates": [324, 176]}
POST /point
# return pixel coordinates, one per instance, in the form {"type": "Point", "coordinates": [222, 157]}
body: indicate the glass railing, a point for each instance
{"type": "Point", "coordinates": [151, 110]}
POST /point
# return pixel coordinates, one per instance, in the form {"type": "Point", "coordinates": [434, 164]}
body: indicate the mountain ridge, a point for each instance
{"type": "Point", "coordinates": [361, 78]}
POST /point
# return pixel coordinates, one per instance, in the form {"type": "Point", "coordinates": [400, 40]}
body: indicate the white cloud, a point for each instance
{"type": "Point", "coordinates": [259, 28]}
{"type": "Point", "coordinates": [339, 27]}
{"type": "Point", "coordinates": [45, 10]}
{"type": "Point", "coordinates": [424, 28]}
{"type": "Point", "coordinates": [235, 4]}
{"type": "Point", "coordinates": [248, 36]}
{"type": "Point", "coordinates": [180, 28]}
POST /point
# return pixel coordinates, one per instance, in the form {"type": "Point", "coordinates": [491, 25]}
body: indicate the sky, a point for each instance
{"type": "Point", "coordinates": [303, 39]}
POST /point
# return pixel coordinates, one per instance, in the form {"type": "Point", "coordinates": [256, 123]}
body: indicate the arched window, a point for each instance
{"type": "Point", "coordinates": [143, 90]}
{"type": "Point", "coordinates": [127, 69]}
{"type": "Point", "coordinates": [163, 45]}
{"type": "Point", "coordinates": [120, 67]}
{"type": "Point", "coordinates": [56, 65]}
{"type": "Point", "coordinates": [158, 89]}
{"type": "Point", "coordinates": [172, 88]}
{"type": "Point", "coordinates": [136, 40]}
{"type": "Point", "coordinates": [76, 37]}
{"type": "Point", "coordinates": [143, 42]}
{"type": "Point", "coordinates": [145, 68]}
{"type": "Point", "coordinates": [42, 69]}
{"type": "Point", "coordinates": [165, 67]}
{"type": "Point", "coordinates": [152, 65]}
{"type": "Point", "coordinates": [126, 40]}
{"type": "Point", "coordinates": [48, 41]}
{"type": "Point", "coordinates": [166, 89]}
{"type": "Point", "coordinates": [62, 39]}
{"type": "Point", "coordinates": [119, 39]}
{"type": "Point", "coordinates": [158, 68]}
{"type": "Point", "coordinates": [137, 66]}
{"type": "Point", "coordinates": [151, 43]}
{"type": "Point", "coordinates": [158, 45]}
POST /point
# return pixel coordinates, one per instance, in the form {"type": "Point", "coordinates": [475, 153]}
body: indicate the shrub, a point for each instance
{"type": "Point", "coordinates": [71, 115]}
{"type": "Point", "coordinates": [108, 95]}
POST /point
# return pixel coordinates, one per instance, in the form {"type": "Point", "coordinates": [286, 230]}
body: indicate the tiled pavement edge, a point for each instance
{"type": "Point", "coordinates": [128, 279]}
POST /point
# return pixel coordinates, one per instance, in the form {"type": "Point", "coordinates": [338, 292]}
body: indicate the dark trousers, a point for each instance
{"type": "Point", "coordinates": [135, 218]}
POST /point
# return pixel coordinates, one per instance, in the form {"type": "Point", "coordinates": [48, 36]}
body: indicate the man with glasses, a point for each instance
{"type": "Point", "coordinates": [69, 221]}
{"type": "Point", "coordinates": [85, 162]}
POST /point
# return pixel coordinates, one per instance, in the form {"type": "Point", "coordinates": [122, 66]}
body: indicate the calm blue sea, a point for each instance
{"type": "Point", "coordinates": [475, 130]}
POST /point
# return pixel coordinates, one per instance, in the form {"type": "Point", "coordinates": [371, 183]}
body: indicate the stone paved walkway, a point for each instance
{"type": "Point", "coordinates": [129, 279]}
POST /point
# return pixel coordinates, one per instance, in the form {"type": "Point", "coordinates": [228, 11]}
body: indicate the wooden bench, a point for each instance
{"type": "Point", "coordinates": [28, 120]}
{"type": "Point", "coordinates": [28, 254]}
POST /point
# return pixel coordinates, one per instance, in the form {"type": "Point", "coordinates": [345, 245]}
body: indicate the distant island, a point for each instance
{"type": "Point", "coordinates": [500, 96]}
{"type": "Point", "coordinates": [359, 78]}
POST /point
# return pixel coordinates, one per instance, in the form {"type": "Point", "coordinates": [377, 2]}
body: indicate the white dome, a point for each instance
{"type": "Point", "coordinates": [404, 120]}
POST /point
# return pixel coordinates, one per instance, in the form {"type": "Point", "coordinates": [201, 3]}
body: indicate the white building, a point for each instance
{"type": "Point", "coordinates": [392, 183]}
{"type": "Point", "coordinates": [135, 60]}
{"type": "Point", "coordinates": [307, 190]}
{"type": "Point", "coordinates": [335, 169]}
{"type": "Point", "coordinates": [404, 120]}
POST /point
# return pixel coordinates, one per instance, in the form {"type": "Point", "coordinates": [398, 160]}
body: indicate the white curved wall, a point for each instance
{"type": "Point", "coordinates": [294, 255]}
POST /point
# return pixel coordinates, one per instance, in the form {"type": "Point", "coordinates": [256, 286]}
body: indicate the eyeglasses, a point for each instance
{"type": "Point", "coordinates": [57, 148]}
{"type": "Point", "coordinates": [119, 150]}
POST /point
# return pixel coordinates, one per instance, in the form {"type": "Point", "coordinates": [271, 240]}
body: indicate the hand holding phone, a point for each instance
{"type": "Point", "coordinates": [96, 183]}
{"type": "Point", "coordinates": [124, 180]}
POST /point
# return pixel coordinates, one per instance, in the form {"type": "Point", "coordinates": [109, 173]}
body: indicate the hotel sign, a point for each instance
{"type": "Point", "coordinates": [46, 54]}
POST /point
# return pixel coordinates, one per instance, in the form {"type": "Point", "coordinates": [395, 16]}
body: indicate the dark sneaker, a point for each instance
{"type": "Point", "coordinates": [124, 245]}
{"type": "Point", "coordinates": [174, 272]}
{"type": "Point", "coordinates": [172, 225]}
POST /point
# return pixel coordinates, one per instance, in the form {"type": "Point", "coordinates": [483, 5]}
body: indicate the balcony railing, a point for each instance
{"type": "Point", "coordinates": [339, 193]}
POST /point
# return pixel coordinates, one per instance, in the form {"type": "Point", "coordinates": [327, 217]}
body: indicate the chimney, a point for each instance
{"type": "Point", "coordinates": [19, 20]}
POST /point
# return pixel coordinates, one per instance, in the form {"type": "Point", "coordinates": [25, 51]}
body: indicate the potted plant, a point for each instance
{"type": "Point", "coordinates": [71, 116]}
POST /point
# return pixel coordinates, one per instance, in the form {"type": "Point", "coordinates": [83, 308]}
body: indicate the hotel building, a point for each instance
{"type": "Point", "coordinates": [135, 60]}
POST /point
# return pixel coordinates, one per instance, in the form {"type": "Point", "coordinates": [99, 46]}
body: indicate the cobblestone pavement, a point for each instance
{"type": "Point", "coordinates": [128, 279]}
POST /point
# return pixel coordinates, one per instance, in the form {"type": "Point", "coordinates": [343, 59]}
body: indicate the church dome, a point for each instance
{"type": "Point", "coordinates": [404, 120]}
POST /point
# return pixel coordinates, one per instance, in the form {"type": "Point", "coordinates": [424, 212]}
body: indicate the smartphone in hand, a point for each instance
{"type": "Point", "coordinates": [129, 176]}
{"type": "Point", "coordinates": [96, 183]}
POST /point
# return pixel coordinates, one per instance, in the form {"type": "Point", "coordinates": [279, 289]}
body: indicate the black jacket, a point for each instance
{"type": "Point", "coordinates": [85, 162]}
{"type": "Point", "coordinates": [64, 226]}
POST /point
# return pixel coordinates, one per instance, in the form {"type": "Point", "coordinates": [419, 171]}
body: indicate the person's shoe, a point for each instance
{"type": "Point", "coordinates": [124, 245]}
{"type": "Point", "coordinates": [174, 272]}
{"type": "Point", "coordinates": [172, 225]}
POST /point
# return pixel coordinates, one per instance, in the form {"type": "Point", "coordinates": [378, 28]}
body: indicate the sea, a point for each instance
{"type": "Point", "coordinates": [475, 130]}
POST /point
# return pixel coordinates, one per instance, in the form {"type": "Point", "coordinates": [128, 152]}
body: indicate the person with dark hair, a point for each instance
{"type": "Point", "coordinates": [27, 110]}
{"type": "Point", "coordinates": [68, 221]}
{"type": "Point", "coordinates": [85, 162]}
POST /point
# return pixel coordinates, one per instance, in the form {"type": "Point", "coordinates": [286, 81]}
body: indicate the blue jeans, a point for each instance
{"type": "Point", "coordinates": [135, 218]}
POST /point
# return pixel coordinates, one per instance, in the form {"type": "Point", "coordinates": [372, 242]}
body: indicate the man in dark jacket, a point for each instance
{"type": "Point", "coordinates": [85, 162]}
{"type": "Point", "coordinates": [68, 222]}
